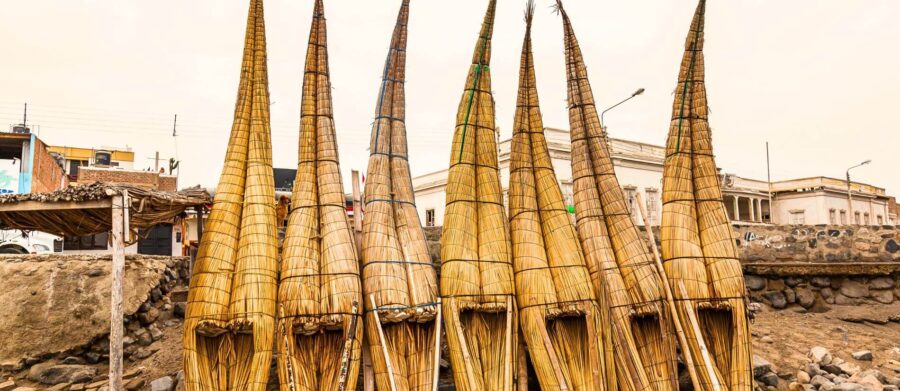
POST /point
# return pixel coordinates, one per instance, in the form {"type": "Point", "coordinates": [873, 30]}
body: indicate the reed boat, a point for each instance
{"type": "Point", "coordinates": [477, 288]}
{"type": "Point", "coordinates": [697, 241]}
{"type": "Point", "coordinates": [560, 318]}
{"type": "Point", "coordinates": [230, 315]}
{"type": "Point", "coordinates": [320, 329]}
{"type": "Point", "coordinates": [399, 279]}
{"type": "Point", "coordinates": [624, 275]}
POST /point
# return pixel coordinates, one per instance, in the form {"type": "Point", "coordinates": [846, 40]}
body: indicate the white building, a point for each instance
{"type": "Point", "coordinates": [639, 169]}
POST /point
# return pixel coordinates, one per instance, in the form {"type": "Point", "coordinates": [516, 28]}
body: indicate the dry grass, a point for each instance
{"type": "Point", "coordinates": [698, 246]}
{"type": "Point", "coordinates": [319, 284]}
{"type": "Point", "coordinates": [229, 320]}
{"type": "Point", "coordinates": [476, 273]}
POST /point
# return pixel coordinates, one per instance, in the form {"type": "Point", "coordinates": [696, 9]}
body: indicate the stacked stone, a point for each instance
{"type": "Point", "coordinates": [816, 291]}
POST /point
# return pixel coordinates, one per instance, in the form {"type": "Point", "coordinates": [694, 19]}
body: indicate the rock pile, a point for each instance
{"type": "Point", "coordinates": [825, 372]}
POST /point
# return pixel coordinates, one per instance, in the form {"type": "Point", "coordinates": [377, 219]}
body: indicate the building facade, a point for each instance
{"type": "Point", "coordinates": [639, 168]}
{"type": "Point", "coordinates": [26, 165]}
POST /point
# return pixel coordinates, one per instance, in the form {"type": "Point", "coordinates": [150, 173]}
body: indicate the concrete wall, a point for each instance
{"type": "Point", "coordinates": [817, 206]}
{"type": "Point", "coordinates": [148, 179]}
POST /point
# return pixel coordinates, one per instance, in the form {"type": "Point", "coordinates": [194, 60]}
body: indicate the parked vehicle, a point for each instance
{"type": "Point", "coordinates": [34, 242]}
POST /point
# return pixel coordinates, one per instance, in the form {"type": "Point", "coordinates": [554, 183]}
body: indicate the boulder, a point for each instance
{"type": "Point", "coordinates": [149, 316]}
{"type": "Point", "coordinates": [881, 283]}
{"type": "Point", "coordinates": [754, 283]}
{"type": "Point", "coordinates": [820, 355]}
{"type": "Point", "coordinates": [854, 289]}
{"type": "Point", "coordinates": [760, 366]}
{"type": "Point", "coordinates": [776, 299]}
{"type": "Point", "coordinates": [790, 295]}
{"type": "Point", "coordinates": [848, 386]}
{"type": "Point", "coordinates": [50, 373]}
{"type": "Point", "coordinates": [849, 368]}
{"type": "Point", "coordinates": [883, 296]}
{"type": "Point", "coordinates": [178, 309]}
{"type": "Point", "coordinates": [818, 381]}
{"type": "Point", "coordinates": [134, 384]}
{"type": "Point", "coordinates": [805, 297]}
{"type": "Point", "coordinates": [862, 355]}
{"type": "Point", "coordinates": [821, 282]}
{"type": "Point", "coordinates": [165, 383]}
{"type": "Point", "coordinates": [769, 379]}
{"type": "Point", "coordinates": [8, 385]}
{"type": "Point", "coordinates": [803, 377]}
{"type": "Point", "coordinates": [833, 369]}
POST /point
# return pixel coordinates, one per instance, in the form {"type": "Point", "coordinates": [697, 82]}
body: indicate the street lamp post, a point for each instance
{"type": "Point", "coordinates": [603, 123]}
{"type": "Point", "coordinates": [850, 214]}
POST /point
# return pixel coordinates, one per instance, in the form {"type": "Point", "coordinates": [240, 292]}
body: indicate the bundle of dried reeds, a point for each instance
{"type": "Point", "coordinates": [622, 268]}
{"type": "Point", "coordinates": [476, 272]}
{"type": "Point", "coordinates": [319, 294]}
{"type": "Point", "coordinates": [559, 314]}
{"type": "Point", "coordinates": [399, 279]}
{"type": "Point", "coordinates": [698, 246]}
{"type": "Point", "coordinates": [229, 322]}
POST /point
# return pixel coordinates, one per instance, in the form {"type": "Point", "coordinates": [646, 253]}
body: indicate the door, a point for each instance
{"type": "Point", "coordinates": [157, 240]}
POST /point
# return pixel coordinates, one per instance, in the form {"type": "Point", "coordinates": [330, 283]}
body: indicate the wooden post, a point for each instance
{"type": "Point", "coordinates": [670, 297]}
{"type": "Point", "coordinates": [437, 347]}
{"type": "Point", "coordinates": [593, 346]}
{"type": "Point", "coordinates": [368, 369]}
{"type": "Point", "coordinates": [348, 349]}
{"type": "Point", "coordinates": [199, 210]}
{"type": "Point", "coordinates": [384, 349]}
{"type": "Point", "coordinates": [464, 346]}
{"type": "Point", "coordinates": [119, 228]}
{"type": "Point", "coordinates": [357, 210]}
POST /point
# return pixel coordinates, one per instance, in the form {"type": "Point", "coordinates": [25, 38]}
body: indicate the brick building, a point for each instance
{"type": "Point", "coordinates": [27, 166]}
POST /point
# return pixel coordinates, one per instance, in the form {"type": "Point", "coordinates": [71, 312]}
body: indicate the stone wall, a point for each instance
{"type": "Point", "coordinates": [57, 306]}
{"type": "Point", "coordinates": [807, 266]}
{"type": "Point", "coordinates": [148, 179]}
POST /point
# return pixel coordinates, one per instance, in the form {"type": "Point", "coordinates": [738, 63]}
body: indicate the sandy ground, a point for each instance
{"type": "Point", "coordinates": [785, 337]}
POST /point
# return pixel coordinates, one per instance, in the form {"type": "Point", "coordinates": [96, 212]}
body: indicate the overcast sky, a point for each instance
{"type": "Point", "coordinates": [818, 79]}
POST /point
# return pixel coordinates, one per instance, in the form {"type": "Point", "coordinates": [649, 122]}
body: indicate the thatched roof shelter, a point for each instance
{"type": "Point", "coordinates": [87, 209]}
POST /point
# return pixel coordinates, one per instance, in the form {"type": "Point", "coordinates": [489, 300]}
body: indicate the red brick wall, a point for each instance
{"type": "Point", "coordinates": [168, 183]}
{"type": "Point", "coordinates": [46, 175]}
{"type": "Point", "coordinates": [146, 179]}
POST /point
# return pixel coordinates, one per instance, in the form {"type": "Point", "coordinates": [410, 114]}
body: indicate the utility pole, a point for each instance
{"type": "Point", "coordinates": [25, 116]}
{"type": "Point", "coordinates": [769, 179]}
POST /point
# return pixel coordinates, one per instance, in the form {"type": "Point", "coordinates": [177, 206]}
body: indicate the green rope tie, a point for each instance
{"type": "Point", "coordinates": [478, 67]}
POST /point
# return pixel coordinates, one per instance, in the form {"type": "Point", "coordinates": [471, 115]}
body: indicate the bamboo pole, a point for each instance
{"type": "Point", "coordinates": [437, 347]}
{"type": "Point", "coordinates": [670, 298]}
{"type": "Point", "coordinates": [383, 342]}
{"type": "Point", "coordinates": [707, 359]}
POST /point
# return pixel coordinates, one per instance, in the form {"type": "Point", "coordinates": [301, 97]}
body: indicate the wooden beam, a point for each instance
{"type": "Point", "coordinates": [118, 275]}
{"type": "Point", "coordinates": [38, 206]}
{"type": "Point", "coordinates": [199, 210]}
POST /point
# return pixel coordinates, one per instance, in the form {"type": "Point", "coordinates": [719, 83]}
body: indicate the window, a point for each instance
{"type": "Point", "coordinates": [880, 219]}
{"type": "Point", "coordinates": [843, 217]}
{"type": "Point", "coordinates": [629, 200]}
{"type": "Point", "coordinates": [652, 204]}
{"type": "Point", "coordinates": [90, 242]}
{"type": "Point", "coordinates": [866, 219]}
{"type": "Point", "coordinates": [832, 219]}
{"type": "Point", "coordinates": [798, 217]}
{"type": "Point", "coordinates": [856, 218]}
{"type": "Point", "coordinates": [429, 218]}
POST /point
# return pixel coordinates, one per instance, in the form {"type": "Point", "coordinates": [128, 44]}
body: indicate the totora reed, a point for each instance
{"type": "Point", "coordinates": [559, 316]}
{"type": "Point", "coordinates": [230, 316]}
{"type": "Point", "coordinates": [476, 271]}
{"type": "Point", "coordinates": [319, 298]}
{"type": "Point", "coordinates": [399, 279]}
{"type": "Point", "coordinates": [639, 328]}
{"type": "Point", "coordinates": [697, 243]}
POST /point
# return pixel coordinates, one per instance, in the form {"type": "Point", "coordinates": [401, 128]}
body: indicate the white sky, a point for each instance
{"type": "Point", "coordinates": [818, 79]}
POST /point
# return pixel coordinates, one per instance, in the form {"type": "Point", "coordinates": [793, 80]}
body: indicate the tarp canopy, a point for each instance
{"type": "Point", "coordinates": [87, 209]}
